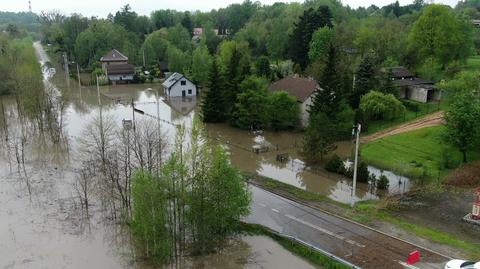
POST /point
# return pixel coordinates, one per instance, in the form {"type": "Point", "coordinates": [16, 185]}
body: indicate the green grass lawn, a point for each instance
{"type": "Point", "coordinates": [473, 64]}
{"type": "Point", "coordinates": [408, 115]}
{"type": "Point", "coordinates": [416, 154]}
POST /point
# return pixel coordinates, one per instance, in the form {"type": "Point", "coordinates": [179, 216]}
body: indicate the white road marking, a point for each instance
{"type": "Point", "coordinates": [406, 265]}
{"type": "Point", "coordinates": [332, 234]}
{"type": "Point", "coordinates": [275, 210]}
{"type": "Point", "coordinates": [263, 205]}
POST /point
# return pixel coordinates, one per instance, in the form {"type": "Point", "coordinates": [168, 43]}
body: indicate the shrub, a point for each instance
{"type": "Point", "coordinates": [363, 175]}
{"type": "Point", "coordinates": [382, 182]}
{"type": "Point", "coordinates": [447, 161]}
{"type": "Point", "coordinates": [377, 105]}
{"type": "Point", "coordinates": [335, 165]}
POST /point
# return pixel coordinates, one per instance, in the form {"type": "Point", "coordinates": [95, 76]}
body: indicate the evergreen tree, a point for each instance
{"type": "Point", "coordinates": [262, 67]}
{"type": "Point", "coordinates": [319, 137]}
{"type": "Point", "coordinates": [301, 36]}
{"type": "Point", "coordinates": [187, 22]}
{"type": "Point", "coordinates": [387, 86]}
{"type": "Point", "coordinates": [327, 98]}
{"type": "Point", "coordinates": [213, 106]}
{"type": "Point", "coordinates": [365, 80]}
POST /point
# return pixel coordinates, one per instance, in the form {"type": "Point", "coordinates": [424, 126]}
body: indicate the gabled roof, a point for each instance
{"type": "Point", "coordinates": [301, 88]}
{"type": "Point", "coordinates": [173, 79]}
{"type": "Point", "coordinates": [118, 69]}
{"type": "Point", "coordinates": [114, 56]}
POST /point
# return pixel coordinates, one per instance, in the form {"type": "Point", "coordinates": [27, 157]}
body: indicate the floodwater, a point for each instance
{"type": "Point", "coordinates": [42, 224]}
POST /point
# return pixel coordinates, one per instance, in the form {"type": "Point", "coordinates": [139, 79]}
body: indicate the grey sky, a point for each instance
{"type": "Point", "coordinates": [103, 7]}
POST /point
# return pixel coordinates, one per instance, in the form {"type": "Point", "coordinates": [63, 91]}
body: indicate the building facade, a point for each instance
{"type": "Point", "coordinates": [177, 85]}
{"type": "Point", "coordinates": [413, 88]}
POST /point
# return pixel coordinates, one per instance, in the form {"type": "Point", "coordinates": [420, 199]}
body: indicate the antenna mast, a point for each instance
{"type": "Point", "coordinates": [30, 6]}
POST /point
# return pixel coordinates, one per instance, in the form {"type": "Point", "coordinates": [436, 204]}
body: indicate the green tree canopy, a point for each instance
{"type": "Point", "coordinates": [283, 111]}
{"type": "Point", "coordinates": [377, 105]}
{"type": "Point", "coordinates": [320, 44]}
{"type": "Point", "coordinates": [439, 34]}
{"type": "Point", "coordinates": [462, 121]}
{"type": "Point", "coordinates": [201, 62]}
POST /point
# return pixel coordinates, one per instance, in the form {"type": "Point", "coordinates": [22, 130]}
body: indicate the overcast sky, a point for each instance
{"type": "Point", "coordinates": [101, 8]}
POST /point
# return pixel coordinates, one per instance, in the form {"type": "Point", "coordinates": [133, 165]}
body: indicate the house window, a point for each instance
{"type": "Point", "coordinates": [183, 82]}
{"type": "Point", "coordinates": [189, 91]}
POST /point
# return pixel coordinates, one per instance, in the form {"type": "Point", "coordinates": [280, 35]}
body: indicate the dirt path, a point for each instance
{"type": "Point", "coordinates": [423, 122]}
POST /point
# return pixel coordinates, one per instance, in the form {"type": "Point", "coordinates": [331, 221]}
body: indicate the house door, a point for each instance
{"type": "Point", "coordinates": [183, 93]}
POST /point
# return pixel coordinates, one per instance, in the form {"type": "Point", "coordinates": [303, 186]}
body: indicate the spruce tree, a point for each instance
{"type": "Point", "coordinates": [328, 97]}
{"type": "Point", "coordinates": [365, 80]}
{"type": "Point", "coordinates": [301, 36]}
{"type": "Point", "coordinates": [213, 105]}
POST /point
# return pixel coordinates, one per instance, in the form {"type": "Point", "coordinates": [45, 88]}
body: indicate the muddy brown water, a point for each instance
{"type": "Point", "coordinates": [46, 226]}
{"type": "Point", "coordinates": [48, 229]}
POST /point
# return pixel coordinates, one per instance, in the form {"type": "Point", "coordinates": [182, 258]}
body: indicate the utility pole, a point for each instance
{"type": "Point", "coordinates": [67, 72]}
{"type": "Point", "coordinates": [357, 144]}
{"type": "Point", "coordinates": [78, 77]}
{"type": "Point", "coordinates": [143, 53]}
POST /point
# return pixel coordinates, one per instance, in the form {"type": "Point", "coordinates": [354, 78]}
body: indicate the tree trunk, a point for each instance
{"type": "Point", "coordinates": [464, 156]}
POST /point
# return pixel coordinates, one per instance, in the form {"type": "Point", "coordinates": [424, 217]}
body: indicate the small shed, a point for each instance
{"type": "Point", "coordinates": [412, 87]}
{"type": "Point", "coordinates": [178, 85]}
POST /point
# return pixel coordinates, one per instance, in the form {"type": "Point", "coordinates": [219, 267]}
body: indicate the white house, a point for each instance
{"type": "Point", "coordinates": [178, 85]}
{"type": "Point", "coordinates": [302, 89]}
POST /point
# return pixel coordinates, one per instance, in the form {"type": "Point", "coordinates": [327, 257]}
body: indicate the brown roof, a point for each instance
{"type": "Point", "coordinates": [400, 72]}
{"type": "Point", "coordinates": [118, 69]}
{"type": "Point", "coordinates": [301, 88]}
{"type": "Point", "coordinates": [114, 56]}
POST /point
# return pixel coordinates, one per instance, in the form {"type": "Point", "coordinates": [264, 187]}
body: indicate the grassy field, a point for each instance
{"type": "Point", "coordinates": [366, 211]}
{"type": "Point", "coordinates": [473, 64]}
{"type": "Point", "coordinates": [408, 115]}
{"type": "Point", "coordinates": [419, 154]}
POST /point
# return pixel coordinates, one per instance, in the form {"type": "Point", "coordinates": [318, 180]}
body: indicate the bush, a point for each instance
{"type": "Point", "coordinates": [447, 161]}
{"type": "Point", "coordinates": [377, 105]}
{"type": "Point", "coordinates": [363, 175]}
{"type": "Point", "coordinates": [336, 165]}
{"type": "Point", "coordinates": [410, 105]}
{"type": "Point", "coordinates": [382, 182]}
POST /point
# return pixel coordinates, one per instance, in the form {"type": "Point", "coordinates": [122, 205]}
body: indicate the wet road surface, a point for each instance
{"type": "Point", "coordinates": [355, 243]}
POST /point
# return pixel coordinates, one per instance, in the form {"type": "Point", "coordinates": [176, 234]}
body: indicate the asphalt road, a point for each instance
{"type": "Point", "coordinates": [353, 242]}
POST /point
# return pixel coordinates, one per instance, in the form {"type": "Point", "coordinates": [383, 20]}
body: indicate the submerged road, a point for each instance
{"type": "Point", "coordinates": [350, 241]}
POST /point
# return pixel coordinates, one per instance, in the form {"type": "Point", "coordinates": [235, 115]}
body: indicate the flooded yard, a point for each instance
{"type": "Point", "coordinates": [42, 224]}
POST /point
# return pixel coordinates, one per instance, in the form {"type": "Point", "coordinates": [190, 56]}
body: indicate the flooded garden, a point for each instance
{"type": "Point", "coordinates": [42, 218]}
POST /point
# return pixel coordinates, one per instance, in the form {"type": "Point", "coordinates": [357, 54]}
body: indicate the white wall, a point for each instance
{"type": "Point", "coordinates": [176, 90]}
{"type": "Point", "coordinates": [117, 77]}
{"type": "Point", "coordinates": [304, 107]}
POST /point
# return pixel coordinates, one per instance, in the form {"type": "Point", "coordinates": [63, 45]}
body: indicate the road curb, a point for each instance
{"type": "Point", "coordinates": [351, 221]}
